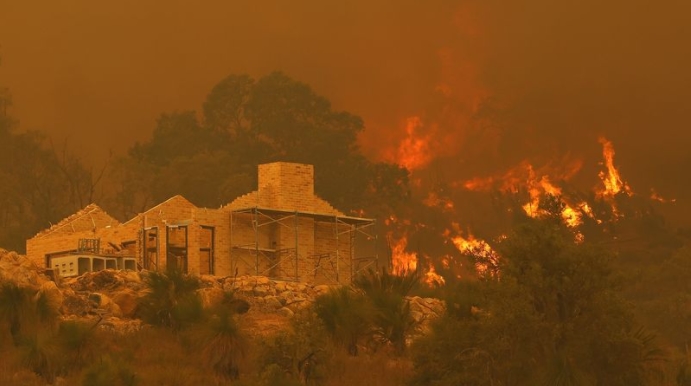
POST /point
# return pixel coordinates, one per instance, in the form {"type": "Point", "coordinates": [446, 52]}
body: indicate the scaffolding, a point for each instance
{"type": "Point", "coordinates": [301, 246]}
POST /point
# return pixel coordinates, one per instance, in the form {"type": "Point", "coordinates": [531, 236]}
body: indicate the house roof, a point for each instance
{"type": "Point", "coordinates": [176, 200]}
{"type": "Point", "coordinates": [91, 217]}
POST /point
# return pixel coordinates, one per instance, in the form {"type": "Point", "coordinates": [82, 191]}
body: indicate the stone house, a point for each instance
{"type": "Point", "coordinates": [281, 230]}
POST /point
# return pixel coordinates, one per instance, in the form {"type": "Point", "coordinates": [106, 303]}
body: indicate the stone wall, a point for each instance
{"type": "Point", "coordinates": [282, 230]}
{"type": "Point", "coordinates": [63, 237]}
{"type": "Point", "coordinates": [110, 297]}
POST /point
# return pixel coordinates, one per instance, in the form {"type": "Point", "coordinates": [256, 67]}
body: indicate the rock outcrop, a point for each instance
{"type": "Point", "coordinates": [110, 297]}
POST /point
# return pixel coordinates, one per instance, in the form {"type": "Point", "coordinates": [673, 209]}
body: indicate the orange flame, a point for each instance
{"type": "Point", "coordinates": [572, 217]}
{"type": "Point", "coordinates": [433, 200]}
{"type": "Point", "coordinates": [486, 257]}
{"type": "Point", "coordinates": [612, 182]}
{"type": "Point", "coordinates": [432, 278]}
{"type": "Point", "coordinates": [524, 175]}
{"type": "Point", "coordinates": [414, 150]}
{"type": "Point", "coordinates": [401, 261]}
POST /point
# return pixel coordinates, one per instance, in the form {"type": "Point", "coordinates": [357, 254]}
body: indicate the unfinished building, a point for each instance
{"type": "Point", "coordinates": [281, 230]}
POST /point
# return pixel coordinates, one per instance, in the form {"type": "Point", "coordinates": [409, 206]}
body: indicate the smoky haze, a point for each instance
{"type": "Point", "coordinates": [478, 85]}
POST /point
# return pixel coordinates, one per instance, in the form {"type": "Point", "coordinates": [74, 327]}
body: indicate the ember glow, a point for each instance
{"type": "Point", "coordinates": [656, 197]}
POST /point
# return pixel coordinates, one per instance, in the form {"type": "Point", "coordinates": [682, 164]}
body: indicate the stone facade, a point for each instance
{"type": "Point", "coordinates": [281, 230]}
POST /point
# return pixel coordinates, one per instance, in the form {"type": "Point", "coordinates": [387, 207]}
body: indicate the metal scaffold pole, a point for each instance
{"type": "Point", "coordinates": [338, 252]}
{"type": "Point", "coordinates": [353, 233]}
{"type": "Point", "coordinates": [256, 241]}
{"type": "Point", "coordinates": [297, 224]}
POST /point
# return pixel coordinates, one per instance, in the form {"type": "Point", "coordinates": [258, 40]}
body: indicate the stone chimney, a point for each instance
{"type": "Point", "coordinates": [288, 186]}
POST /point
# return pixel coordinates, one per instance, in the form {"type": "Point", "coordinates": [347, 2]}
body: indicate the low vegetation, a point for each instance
{"type": "Point", "coordinates": [554, 312]}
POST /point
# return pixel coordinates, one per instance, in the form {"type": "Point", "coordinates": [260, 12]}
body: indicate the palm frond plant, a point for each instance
{"type": "Point", "coordinates": [16, 308]}
{"type": "Point", "coordinates": [346, 316]}
{"type": "Point", "coordinates": [171, 300]}
{"type": "Point", "coordinates": [392, 319]}
{"type": "Point", "coordinates": [223, 344]}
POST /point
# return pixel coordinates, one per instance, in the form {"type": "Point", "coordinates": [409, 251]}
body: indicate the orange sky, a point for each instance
{"type": "Point", "coordinates": [489, 82]}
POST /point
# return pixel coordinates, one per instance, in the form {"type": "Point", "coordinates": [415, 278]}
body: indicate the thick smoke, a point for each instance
{"type": "Point", "coordinates": [478, 86]}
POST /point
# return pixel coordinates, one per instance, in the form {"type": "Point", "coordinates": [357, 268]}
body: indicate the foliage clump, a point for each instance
{"type": "Point", "coordinates": [553, 315]}
{"type": "Point", "coordinates": [171, 300]}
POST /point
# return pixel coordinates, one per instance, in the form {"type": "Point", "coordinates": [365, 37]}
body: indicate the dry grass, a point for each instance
{"type": "Point", "coordinates": [377, 369]}
{"type": "Point", "coordinates": [161, 357]}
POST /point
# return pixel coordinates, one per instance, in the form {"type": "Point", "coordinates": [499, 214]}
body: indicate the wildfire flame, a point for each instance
{"type": "Point", "coordinates": [612, 182]}
{"type": "Point", "coordinates": [433, 278]}
{"type": "Point", "coordinates": [486, 258]}
{"type": "Point", "coordinates": [538, 184]}
{"type": "Point", "coordinates": [531, 185]}
{"type": "Point", "coordinates": [433, 200]}
{"type": "Point", "coordinates": [414, 150]}
{"type": "Point", "coordinates": [401, 261]}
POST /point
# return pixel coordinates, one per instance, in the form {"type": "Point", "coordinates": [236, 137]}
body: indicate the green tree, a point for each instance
{"type": "Point", "coordinates": [224, 108]}
{"type": "Point", "coordinates": [553, 315]}
{"type": "Point", "coordinates": [246, 123]}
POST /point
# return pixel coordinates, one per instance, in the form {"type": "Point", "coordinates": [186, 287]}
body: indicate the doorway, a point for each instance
{"type": "Point", "coordinates": [206, 250]}
{"type": "Point", "coordinates": [150, 250]}
{"type": "Point", "coordinates": [176, 247]}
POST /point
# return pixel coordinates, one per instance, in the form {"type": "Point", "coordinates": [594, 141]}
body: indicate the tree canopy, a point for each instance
{"type": "Point", "coordinates": [40, 185]}
{"type": "Point", "coordinates": [553, 315]}
{"type": "Point", "coordinates": [212, 158]}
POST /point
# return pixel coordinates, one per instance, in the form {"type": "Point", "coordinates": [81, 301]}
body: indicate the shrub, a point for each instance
{"type": "Point", "coordinates": [171, 300]}
{"type": "Point", "coordinates": [346, 316]}
{"type": "Point", "coordinates": [109, 372]}
{"type": "Point", "coordinates": [16, 308]}
{"type": "Point", "coordinates": [222, 343]}
{"type": "Point", "coordinates": [299, 355]}
{"type": "Point", "coordinates": [386, 293]}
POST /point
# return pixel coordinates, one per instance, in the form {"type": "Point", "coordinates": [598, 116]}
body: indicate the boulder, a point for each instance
{"type": "Point", "coordinates": [321, 289]}
{"type": "Point", "coordinates": [230, 285]}
{"type": "Point", "coordinates": [211, 296]}
{"type": "Point", "coordinates": [76, 304]}
{"type": "Point", "coordinates": [120, 326]}
{"type": "Point", "coordinates": [131, 277]}
{"type": "Point", "coordinates": [240, 306]}
{"type": "Point", "coordinates": [285, 312]}
{"type": "Point", "coordinates": [280, 286]}
{"type": "Point", "coordinates": [208, 281]}
{"type": "Point", "coordinates": [261, 291]}
{"type": "Point", "coordinates": [272, 302]}
{"type": "Point", "coordinates": [104, 303]}
{"type": "Point", "coordinates": [52, 294]}
{"type": "Point", "coordinates": [107, 279]}
{"type": "Point", "coordinates": [19, 269]}
{"type": "Point", "coordinates": [126, 299]}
